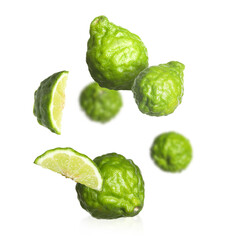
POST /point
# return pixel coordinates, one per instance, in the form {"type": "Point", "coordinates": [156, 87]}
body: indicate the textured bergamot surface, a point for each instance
{"type": "Point", "coordinates": [115, 56]}
{"type": "Point", "coordinates": [122, 192]}
{"type": "Point", "coordinates": [171, 151]}
{"type": "Point", "coordinates": [158, 90]}
{"type": "Point", "coordinates": [100, 104]}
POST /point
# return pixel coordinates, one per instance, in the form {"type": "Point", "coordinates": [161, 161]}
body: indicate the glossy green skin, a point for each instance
{"type": "Point", "coordinates": [158, 90]}
{"type": "Point", "coordinates": [42, 101]}
{"type": "Point", "coordinates": [115, 56]}
{"type": "Point", "coordinates": [122, 193]}
{"type": "Point", "coordinates": [171, 151]}
{"type": "Point", "coordinates": [100, 104]}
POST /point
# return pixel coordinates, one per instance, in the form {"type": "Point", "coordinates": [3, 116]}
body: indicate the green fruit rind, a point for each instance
{"type": "Point", "coordinates": [100, 104]}
{"type": "Point", "coordinates": [71, 169]}
{"type": "Point", "coordinates": [114, 56]}
{"type": "Point", "coordinates": [122, 193]}
{"type": "Point", "coordinates": [43, 101]}
{"type": "Point", "coordinates": [158, 90]}
{"type": "Point", "coordinates": [171, 152]}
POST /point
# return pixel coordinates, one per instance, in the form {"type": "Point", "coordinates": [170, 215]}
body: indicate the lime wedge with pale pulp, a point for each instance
{"type": "Point", "coordinates": [72, 164]}
{"type": "Point", "coordinates": [49, 100]}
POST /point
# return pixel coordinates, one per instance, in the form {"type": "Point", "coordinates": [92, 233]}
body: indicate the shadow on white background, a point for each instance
{"type": "Point", "coordinates": [130, 226]}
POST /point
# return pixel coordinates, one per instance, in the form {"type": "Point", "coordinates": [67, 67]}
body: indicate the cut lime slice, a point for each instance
{"type": "Point", "coordinates": [72, 164]}
{"type": "Point", "coordinates": [49, 101]}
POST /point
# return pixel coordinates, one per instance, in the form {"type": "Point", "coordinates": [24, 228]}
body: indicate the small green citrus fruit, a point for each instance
{"type": "Point", "coordinates": [100, 104]}
{"type": "Point", "coordinates": [171, 151]}
{"type": "Point", "coordinates": [158, 90]}
{"type": "Point", "coordinates": [122, 192]}
{"type": "Point", "coordinates": [115, 56]}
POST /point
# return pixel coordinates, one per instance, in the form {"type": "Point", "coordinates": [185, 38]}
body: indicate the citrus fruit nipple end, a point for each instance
{"type": "Point", "coordinates": [114, 56]}
{"type": "Point", "coordinates": [158, 90]}
{"type": "Point", "coordinates": [73, 165]}
{"type": "Point", "coordinates": [49, 100]}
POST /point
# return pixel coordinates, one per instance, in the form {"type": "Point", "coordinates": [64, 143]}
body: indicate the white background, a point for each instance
{"type": "Point", "coordinates": [39, 38]}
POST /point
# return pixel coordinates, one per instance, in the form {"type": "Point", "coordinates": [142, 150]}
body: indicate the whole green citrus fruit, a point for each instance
{"type": "Point", "coordinates": [122, 192]}
{"type": "Point", "coordinates": [158, 90]}
{"type": "Point", "coordinates": [171, 151]}
{"type": "Point", "coordinates": [115, 56]}
{"type": "Point", "coordinates": [100, 104]}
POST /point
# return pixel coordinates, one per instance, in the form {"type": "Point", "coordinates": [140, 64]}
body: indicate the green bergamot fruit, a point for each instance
{"type": "Point", "coordinates": [158, 90]}
{"type": "Point", "coordinates": [73, 165]}
{"type": "Point", "coordinates": [49, 100]}
{"type": "Point", "coordinates": [171, 151]}
{"type": "Point", "coordinates": [122, 192]}
{"type": "Point", "coordinates": [115, 56]}
{"type": "Point", "coordinates": [100, 104]}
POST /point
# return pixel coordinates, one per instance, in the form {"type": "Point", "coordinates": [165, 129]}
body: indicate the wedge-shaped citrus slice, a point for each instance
{"type": "Point", "coordinates": [49, 101]}
{"type": "Point", "coordinates": [72, 164]}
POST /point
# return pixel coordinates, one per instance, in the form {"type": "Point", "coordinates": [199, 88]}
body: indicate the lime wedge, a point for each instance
{"type": "Point", "coordinates": [49, 101]}
{"type": "Point", "coordinates": [72, 164]}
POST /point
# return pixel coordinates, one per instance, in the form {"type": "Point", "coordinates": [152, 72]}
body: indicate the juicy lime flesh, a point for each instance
{"type": "Point", "coordinates": [58, 101]}
{"type": "Point", "coordinates": [72, 165]}
{"type": "Point", "coordinates": [49, 101]}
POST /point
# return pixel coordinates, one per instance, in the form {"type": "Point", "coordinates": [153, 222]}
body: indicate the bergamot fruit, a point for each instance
{"type": "Point", "coordinates": [115, 56]}
{"type": "Point", "coordinates": [73, 165]}
{"type": "Point", "coordinates": [49, 101]}
{"type": "Point", "coordinates": [171, 151]}
{"type": "Point", "coordinates": [100, 104]}
{"type": "Point", "coordinates": [158, 90]}
{"type": "Point", "coordinates": [122, 192]}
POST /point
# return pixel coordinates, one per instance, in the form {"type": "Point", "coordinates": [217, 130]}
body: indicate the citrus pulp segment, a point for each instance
{"type": "Point", "coordinates": [73, 165]}
{"type": "Point", "coordinates": [49, 100]}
